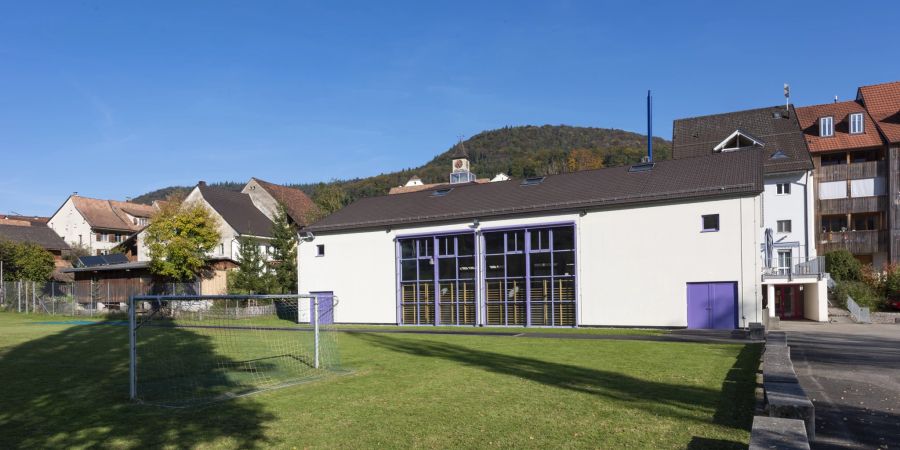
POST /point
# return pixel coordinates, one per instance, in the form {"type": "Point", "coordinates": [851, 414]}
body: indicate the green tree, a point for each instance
{"type": "Point", "coordinates": [76, 251]}
{"type": "Point", "coordinates": [25, 261]}
{"type": "Point", "coordinates": [252, 275]}
{"type": "Point", "coordinates": [328, 198]}
{"type": "Point", "coordinates": [178, 239]}
{"type": "Point", "coordinates": [843, 266]}
{"type": "Point", "coordinates": [284, 253]}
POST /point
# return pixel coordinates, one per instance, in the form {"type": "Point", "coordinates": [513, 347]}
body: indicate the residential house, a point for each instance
{"type": "Point", "coordinates": [36, 232]}
{"type": "Point", "coordinates": [851, 180]}
{"type": "Point", "coordinates": [266, 197]}
{"type": "Point", "coordinates": [98, 225]}
{"type": "Point", "coordinates": [791, 272]}
{"type": "Point", "coordinates": [667, 244]}
{"type": "Point", "coordinates": [882, 102]}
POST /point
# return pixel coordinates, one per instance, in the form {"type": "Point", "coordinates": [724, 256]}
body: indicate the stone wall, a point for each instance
{"type": "Point", "coordinates": [885, 317]}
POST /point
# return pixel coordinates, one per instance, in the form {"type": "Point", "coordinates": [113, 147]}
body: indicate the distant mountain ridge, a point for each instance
{"type": "Point", "coordinates": [519, 152]}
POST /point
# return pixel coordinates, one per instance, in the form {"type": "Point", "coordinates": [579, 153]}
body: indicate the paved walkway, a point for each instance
{"type": "Point", "coordinates": [851, 372]}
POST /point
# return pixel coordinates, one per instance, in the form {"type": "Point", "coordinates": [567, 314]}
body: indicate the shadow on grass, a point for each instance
{"type": "Point", "coordinates": [733, 404]}
{"type": "Point", "coordinates": [70, 389]}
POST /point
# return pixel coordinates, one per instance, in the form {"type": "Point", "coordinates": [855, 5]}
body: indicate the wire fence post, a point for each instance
{"type": "Point", "coordinates": [316, 328]}
{"type": "Point", "coordinates": [132, 350]}
{"type": "Point", "coordinates": [19, 296]}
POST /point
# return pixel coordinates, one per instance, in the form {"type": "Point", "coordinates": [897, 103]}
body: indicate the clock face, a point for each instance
{"type": "Point", "coordinates": [458, 164]}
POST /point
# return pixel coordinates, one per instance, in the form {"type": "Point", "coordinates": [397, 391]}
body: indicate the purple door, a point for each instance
{"type": "Point", "coordinates": [326, 307]}
{"type": "Point", "coordinates": [712, 305]}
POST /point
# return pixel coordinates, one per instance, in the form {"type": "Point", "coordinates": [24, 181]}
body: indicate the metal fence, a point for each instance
{"type": "Point", "coordinates": [859, 313]}
{"type": "Point", "coordinates": [781, 266]}
{"type": "Point", "coordinates": [80, 298]}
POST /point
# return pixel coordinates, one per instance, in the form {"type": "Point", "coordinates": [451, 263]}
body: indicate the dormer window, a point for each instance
{"type": "Point", "coordinates": [737, 141]}
{"type": "Point", "coordinates": [856, 123]}
{"type": "Point", "coordinates": [826, 126]}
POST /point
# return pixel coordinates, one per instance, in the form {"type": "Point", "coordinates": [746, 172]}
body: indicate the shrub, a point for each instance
{"type": "Point", "coordinates": [843, 266]}
{"type": "Point", "coordinates": [862, 294]}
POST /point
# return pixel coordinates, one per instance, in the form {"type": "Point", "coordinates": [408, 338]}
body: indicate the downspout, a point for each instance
{"type": "Point", "coordinates": [806, 215]}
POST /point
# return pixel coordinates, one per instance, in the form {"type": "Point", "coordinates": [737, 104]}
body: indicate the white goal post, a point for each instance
{"type": "Point", "coordinates": [186, 349]}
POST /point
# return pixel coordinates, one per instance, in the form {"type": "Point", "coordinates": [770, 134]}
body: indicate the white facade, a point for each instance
{"type": "Point", "coordinates": [261, 199]}
{"type": "Point", "coordinates": [229, 245]}
{"type": "Point", "coordinates": [632, 263]}
{"type": "Point", "coordinates": [794, 205]}
{"type": "Point", "coordinates": [70, 225]}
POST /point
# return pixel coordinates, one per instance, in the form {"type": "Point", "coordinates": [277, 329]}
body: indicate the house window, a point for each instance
{"type": "Point", "coordinates": [834, 159]}
{"type": "Point", "coordinates": [711, 222]}
{"type": "Point", "coordinates": [826, 126]}
{"type": "Point", "coordinates": [99, 237]}
{"type": "Point", "coordinates": [784, 226]}
{"type": "Point", "coordinates": [320, 250]}
{"type": "Point", "coordinates": [784, 262]}
{"type": "Point", "coordinates": [856, 123]}
{"type": "Point", "coordinates": [865, 222]}
{"type": "Point", "coordinates": [783, 188]}
{"type": "Point", "coordinates": [834, 223]}
{"type": "Point", "coordinates": [221, 249]}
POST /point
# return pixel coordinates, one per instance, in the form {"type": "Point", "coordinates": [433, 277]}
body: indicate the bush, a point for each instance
{"type": "Point", "coordinates": [863, 294]}
{"type": "Point", "coordinates": [843, 266]}
{"type": "Point", "coordinates": [891, 281]}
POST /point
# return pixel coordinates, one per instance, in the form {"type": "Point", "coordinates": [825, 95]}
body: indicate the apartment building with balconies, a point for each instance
{"type": "Point", "coordinates": [852, 208]}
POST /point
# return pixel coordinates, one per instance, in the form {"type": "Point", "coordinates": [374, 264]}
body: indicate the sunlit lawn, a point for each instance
{"type": "Point", "coordinates": [66, 386]}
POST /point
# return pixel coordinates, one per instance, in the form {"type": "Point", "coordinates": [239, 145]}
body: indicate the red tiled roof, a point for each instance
{"type": "Point", "coordinates": [808, 116]}
{"type": "Point", "coordinates": [295, 201]}
{"type": "Point", "coordinates": [110, 214]}
{"type": "Point", "coordinates": [883, 103]}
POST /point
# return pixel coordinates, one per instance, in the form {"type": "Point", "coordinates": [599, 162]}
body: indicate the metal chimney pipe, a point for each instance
{"type": "Point", "coordinates": [649, 126]}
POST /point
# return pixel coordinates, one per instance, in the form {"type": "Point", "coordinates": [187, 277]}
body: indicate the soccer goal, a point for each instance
{"type": "Point", "coordinates": [192, 349]}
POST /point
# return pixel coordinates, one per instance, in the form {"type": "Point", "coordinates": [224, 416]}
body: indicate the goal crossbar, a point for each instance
{"type": "Point", "coordinates": [134, 322]}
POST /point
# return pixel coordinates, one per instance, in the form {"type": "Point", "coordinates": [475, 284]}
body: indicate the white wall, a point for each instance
{"type": "Point", "coordinates": [69, 224]}
{"type": "Point", "coordinates": [790, 207]}
{"type": "Point", "coordinates": [227, 235]}
{"type": "Point", "coordinates": [633, 263]}
{"type": "Point", "coordinates": [815, 301]}
{"type": "Point", "coordinates": [261, 199]}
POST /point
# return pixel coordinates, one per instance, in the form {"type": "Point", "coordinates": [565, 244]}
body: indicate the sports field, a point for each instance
{"type": "Point", "coordinates": [67, 386]}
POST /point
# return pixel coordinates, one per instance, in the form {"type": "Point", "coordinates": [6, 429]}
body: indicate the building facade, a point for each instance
{"type": "Point", "coordinates": [791, 272]}
{"type": "Point", "coordinates": [668, 244]}
{"type": "Point", "coordinates": [98, 225]}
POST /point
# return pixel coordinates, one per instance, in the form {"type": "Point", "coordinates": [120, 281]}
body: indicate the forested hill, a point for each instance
{"type": "Point", "coordinates": [517, 151]}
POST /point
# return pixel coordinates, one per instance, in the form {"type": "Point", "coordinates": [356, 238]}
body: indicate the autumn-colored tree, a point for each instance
{"type": "Point", "coordinates": [583, 159]}
{"type": "Point", "coordinates": [178, 239]}
{"type": "Point", "coordinates": [328, 199]}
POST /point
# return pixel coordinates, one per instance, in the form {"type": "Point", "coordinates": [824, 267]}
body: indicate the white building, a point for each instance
{"type": "Point", "coordinates": [791, 270]}
{"type": "Point", "coordinates": [98, 225]}
{"type": "Point", "coordinates": [670, 244]}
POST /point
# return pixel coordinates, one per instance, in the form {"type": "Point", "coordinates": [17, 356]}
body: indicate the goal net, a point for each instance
{"type": "Point", "coordinates": [186, 350]}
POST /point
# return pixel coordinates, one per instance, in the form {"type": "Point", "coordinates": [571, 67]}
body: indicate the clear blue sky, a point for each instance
{"type": "Point", "coordinates": [114, 99]}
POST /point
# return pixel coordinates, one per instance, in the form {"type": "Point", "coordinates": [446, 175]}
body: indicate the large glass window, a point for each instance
{"type": "Point", "coordinates": [531, 284]}
{"type": "Point", "coordinates": [443, 262]}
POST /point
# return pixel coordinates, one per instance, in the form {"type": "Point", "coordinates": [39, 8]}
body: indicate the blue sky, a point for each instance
{"type": "Point", "coordinates": [114, 99]}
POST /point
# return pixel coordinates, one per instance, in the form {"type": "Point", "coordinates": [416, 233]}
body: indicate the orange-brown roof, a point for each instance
{"type": "Point", "coordinates": [808, 116]}
{"type": "Point", "coordinates": [295, 201]}
{"type": "Point", "coordinates": [883, 103]}
{"type": "Point", "coordinates": [111, 214]}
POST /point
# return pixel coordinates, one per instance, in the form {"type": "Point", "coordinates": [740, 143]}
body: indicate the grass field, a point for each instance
{"type": "Point", "coordinates": [66, 386]}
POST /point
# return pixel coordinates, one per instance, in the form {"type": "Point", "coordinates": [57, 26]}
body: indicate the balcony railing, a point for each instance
{"type": "Point", "coordinates": [856, 242]}
{"type": "Point", "coordinates": [854, 171]}
{"type": "Point", "coordinates": [853, 205]}
{"type": "Point", "coordinates": [795, 267]}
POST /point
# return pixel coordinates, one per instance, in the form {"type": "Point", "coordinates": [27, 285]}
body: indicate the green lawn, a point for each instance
{"type": "Point", "coordinates": [66, 386]}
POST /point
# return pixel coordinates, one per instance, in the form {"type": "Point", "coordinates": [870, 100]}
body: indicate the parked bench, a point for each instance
{"type": "Point", "coordinates": [789, 401]}
{"type": "Point", "coordinates": [777, 433]}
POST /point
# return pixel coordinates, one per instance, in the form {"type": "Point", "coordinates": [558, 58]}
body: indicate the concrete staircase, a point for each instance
{"type": "Point", "coordinates": [839, 315]}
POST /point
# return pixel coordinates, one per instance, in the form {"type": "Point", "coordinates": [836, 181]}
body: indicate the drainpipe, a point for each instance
{"type": "Point", "coordinates": [806, 215]}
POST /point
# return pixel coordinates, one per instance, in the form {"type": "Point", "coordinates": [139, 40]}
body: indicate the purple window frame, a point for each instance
{"type": "Point", "coordinates": [529, 277]}
{"type": "Point", "coordinates": [436, 254]}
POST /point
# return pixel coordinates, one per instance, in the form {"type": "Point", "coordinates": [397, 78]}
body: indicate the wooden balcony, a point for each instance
{"type": "Point", "coordinates": [854, 171]}
{"type": "Point", "coordinates": [857, 242]}
{"type": "Point", "coordinates": [851, 205]}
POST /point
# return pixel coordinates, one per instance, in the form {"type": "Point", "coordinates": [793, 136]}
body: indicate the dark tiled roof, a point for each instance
{"type": "Point", "coordinates": [883, 103]}
{"type": "Point", "coordinates": [39, 234]}
{"type": "Point", "coordinates": [729, 174]}
{"type": "Point", "coordinates": [696, 136]}
{"type": "Point", "coordinates": [808, 117]}
{"type": "Point", "coordinates": [238, 211]}
{"type": "Point", "coordinates": [295, 201]}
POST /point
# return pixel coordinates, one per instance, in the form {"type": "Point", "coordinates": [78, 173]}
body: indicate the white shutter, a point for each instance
{"type": "Point", "coordinates": [833, 189]}
{"type": "Point", "coordinates": [867, 187]}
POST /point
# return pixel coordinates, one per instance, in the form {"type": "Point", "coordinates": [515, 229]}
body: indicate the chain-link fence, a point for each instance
{"type": "Point", "coordinates": [82, 297]}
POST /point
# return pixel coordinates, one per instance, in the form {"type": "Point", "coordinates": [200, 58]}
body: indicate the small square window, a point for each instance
{"type": "Point", "coordinates": [320, 250]}
{"type": "Point", "coordinates": [826, 126]}
{"type": "Point", "coordinates": [856, 123]}
{"type": "Point", "coordinates": [784, 226]}
{"type": "Point", "coordinates": [783, 188]}
{"type": "Point", "coordinates": [711, 222]}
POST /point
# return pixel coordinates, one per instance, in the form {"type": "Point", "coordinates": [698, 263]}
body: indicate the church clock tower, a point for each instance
{"type": "Point", "coordinates": [460, 172]}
